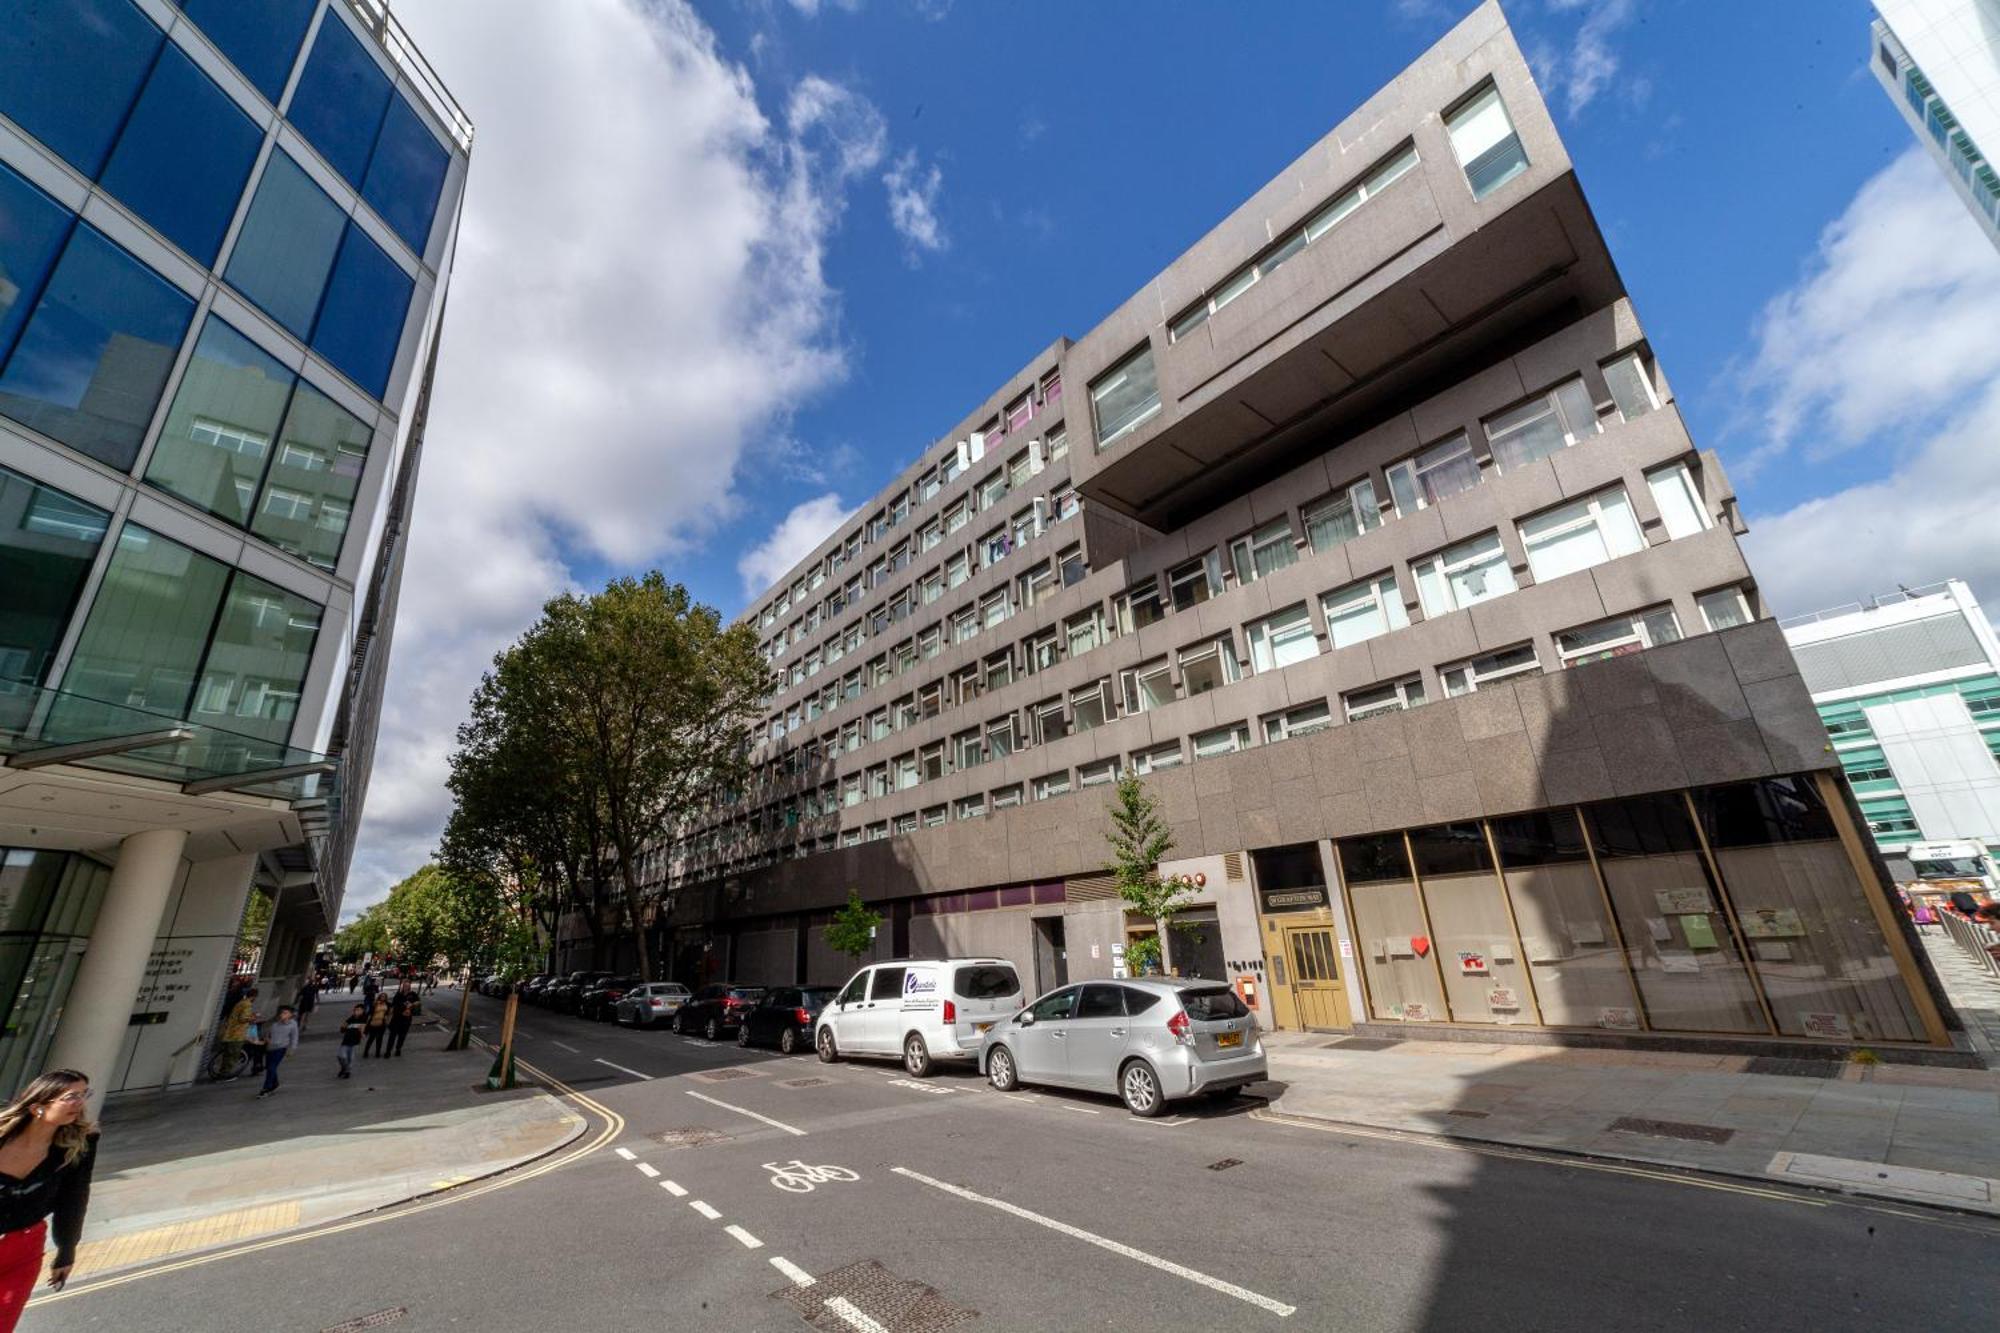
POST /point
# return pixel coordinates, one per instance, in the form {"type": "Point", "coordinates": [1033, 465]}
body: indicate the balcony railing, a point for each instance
{"type": "Point", "coordinates": [395, 39]}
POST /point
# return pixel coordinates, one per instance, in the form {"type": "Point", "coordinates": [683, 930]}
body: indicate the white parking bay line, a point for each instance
{"type": "Point", "coordinates": [727, 1106]}
{"type": "Point", "coordinates": [853, 1317]}
{"type": "Point", "coordinates": [1083, 1110]}
{"type": "Point", "coordinates": [674, 1189]}
{"type": "Point", "coordinates": [1193, 1275]}
{"type": "Point", "coordinates": [799, 1276]}
{"type": "Point", "coordinates": [627, 1154]}
{"type": "Point", "coordinates": [706, 1210]}
{"type": "Point", "coordinates": [566, 1046]}
{"type": "Point", "coordinates": [649, 1172]}
{"type": "Point", "coordinates": [623, 1070]}
{"type": "Point", "coordinates": [750, 1242]}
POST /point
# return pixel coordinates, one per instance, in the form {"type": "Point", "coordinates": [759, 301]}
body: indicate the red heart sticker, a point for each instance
{"type": "Point", "coordinates": [1421, 943]}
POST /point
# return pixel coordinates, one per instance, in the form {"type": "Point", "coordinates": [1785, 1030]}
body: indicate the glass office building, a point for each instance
{"type": "Point", "coordinates": [1939, 61]}
{"type": "Point", "coordinates": [225, 231]}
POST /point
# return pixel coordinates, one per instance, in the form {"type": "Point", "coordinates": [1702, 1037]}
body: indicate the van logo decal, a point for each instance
{"type": "Point", "coordinates": [919, 983]}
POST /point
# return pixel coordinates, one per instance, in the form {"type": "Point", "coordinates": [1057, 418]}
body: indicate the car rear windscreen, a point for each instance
{"type": "Point", "coordinates": [818, 997]}
{"type": "Point", "coordinates": [986, 982]}
{"type": "Point", "coordinates": [1212, 1004]}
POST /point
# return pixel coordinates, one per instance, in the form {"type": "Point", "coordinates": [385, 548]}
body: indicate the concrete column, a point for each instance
{"type": "Point", "coordinates": [107, 982]}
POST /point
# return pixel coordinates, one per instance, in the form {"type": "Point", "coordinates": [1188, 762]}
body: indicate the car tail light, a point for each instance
{"type": "Point", "coordinates": [1178, 1025]}
{"type": "Point", "coordinates": [805, 1015]}
{"type": "Point", "coordinates": [950, 1012]}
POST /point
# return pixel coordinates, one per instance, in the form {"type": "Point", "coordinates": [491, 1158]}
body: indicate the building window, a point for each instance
{"type": "Point", "coordinates": [1725, 608]}
{"type": "Point", "coordinates": [1301, 721]}
{"type": "Point", "coordinates": [1390, 698]}
{"type": "Point", "coordinates": [1435, 474]}
{"type": "Point", "coordinates": [1618, 636]}
{"type": "Point", "coordinates": [1042, 652]}
{"type": "Point", "coordinates": [1537, 428]}
{"type": "Point", "coordinates": [1265, 551]}
{"type": "Point", "coordinates": [1485, 141]}
{"type": "Point", "coordinates": [1090, 707]}
{"type": "Point", "coordinates": [1579, 535]}
{"type": "Point", "coordinates": [1140, 606]}
{"type": "Point", "coordinates": [1097, 774]}
{"type": "Point", "coordinates": [1055, 784]}
{"type": "Point", "coordinates": [1631, 386]}
{"type": "Point", "coordinates": [1281, 639]}
{"type": "Point", "coordinates": [1157, 758]}
{"type": "Point", "coordinates": [1208, 666]}
{"type": "Point", "coordinates": [1464, 575]}
{"type": "Point", "coordinates": [183, 155]}
{"type": "Point", "coordinates": [262, 41]}
{"type": "Point", "coordinates": [1363, 611]}
{"type": "Point", "coordinates": [1479, 672]}
{"type": "Point", "coordinates": [1084, 631]}
{"type": "Point", "coordinates": [1051, 723]}
{"type": "Point", "coordinates": [1126, 396]}
{"type": "Point", "coordinates": [1343, 516]}
{"type": "Point", "coordinates": [1220, 740]}
{"type": "Point", "coordinates": [1193, 583]}
{"type": "Point", "coordinates": [1148, 687]}
{"type": "Point", "coordinates": [46, 551]}
{"type": "Point", "coordinates": [1058, 445]}
{"type": "Point", "coordinates": [1679, 502]}
{"type": "Point", "coordinates": [1007, 797]}
{"type": "Point", "coordinates": [1000, 738]}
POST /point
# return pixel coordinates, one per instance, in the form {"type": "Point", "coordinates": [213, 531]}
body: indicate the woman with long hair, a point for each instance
{"type": "Point", "coordinates": [47, 1147]}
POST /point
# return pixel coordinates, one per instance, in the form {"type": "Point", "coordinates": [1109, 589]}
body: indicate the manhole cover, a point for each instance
{"type": "Point", "coordinates": [804, 1082]}
{"type": "Point", "coordinates": [1225, 1164]}
{"type": "Point", "coordinates": [867, 1295]}
{"type": "Point", "coordinates": [694, 1136]}
{"type": "Point", "coordinates": [1672, 1129]}
{"type": "Point", "coordinates": [376, 1320]}
{"type": "Point", "coordinates": [725, 1075]}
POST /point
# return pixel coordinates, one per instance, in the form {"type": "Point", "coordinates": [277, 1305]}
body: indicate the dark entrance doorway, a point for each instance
{"type": "Point", "coordinates": [1051, 954]}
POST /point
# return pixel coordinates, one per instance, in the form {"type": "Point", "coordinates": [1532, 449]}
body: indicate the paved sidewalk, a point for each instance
{"type": "Point", "coordinates": [1973, 989]}
{"type": "Point", "coordinates": [1904, 1132]}
{"type": "Point", "coordinates": [213, 1164]}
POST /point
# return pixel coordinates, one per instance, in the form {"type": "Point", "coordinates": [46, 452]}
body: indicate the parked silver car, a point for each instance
{"type": "Point", "coordinates": [643, 1006]}
{"type": "Point", "coordinates": [1150, 1040]}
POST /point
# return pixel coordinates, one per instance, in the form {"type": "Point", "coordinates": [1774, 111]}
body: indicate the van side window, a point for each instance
{"type": "Point", "coordinates": [888, 983]}
{"type": "Point", "coordinates": [857, 989]}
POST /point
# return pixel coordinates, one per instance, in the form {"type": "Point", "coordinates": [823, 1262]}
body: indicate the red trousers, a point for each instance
{"type": "Point", "coordinates": [20, 1265]}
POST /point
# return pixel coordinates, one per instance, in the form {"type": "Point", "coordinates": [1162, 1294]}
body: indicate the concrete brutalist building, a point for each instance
{"type": "Point", "coordinates": [1370, 533]}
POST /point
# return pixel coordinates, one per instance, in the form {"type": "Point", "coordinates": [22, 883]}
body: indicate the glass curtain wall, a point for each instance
{"type": "Point", "coordinates": [48, 904]}
{"type": "Point", "coordinates": [1388, 914]}
{"type": "Point", "coordinates": [47, 543]}
{"type": "Point", "coordinates": [1569, 943]}
{"type": "Point", "coordinates": [1485, 980]}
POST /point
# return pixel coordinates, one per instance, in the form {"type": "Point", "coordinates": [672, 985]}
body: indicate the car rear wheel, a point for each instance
{"type": "Point", "coordinates": [1000, 1070]}
{"type": "Point", "coordinates": [827, 1052]}
{"type": "Point", "coordinates": [1139, 1086]}
{"type": "Point", "coordinates": [743, 1035]}
{"type": "Point", "coordinates": [788, 1041]}
{"type": "Point", "coordinates": [712, 1030]}
{"type": "Point", "coordinates": [916, 1056]}
{"type": "Point", "coordinates": [680, 1025]}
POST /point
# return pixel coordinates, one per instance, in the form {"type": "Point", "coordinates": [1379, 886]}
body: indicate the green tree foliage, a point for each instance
{"type": "Point", "coordinates": [366, 934]}
{"type": "Point", "coordinates": [1139, 840]}
{"type": "Point", "coordinates": [852, 930]}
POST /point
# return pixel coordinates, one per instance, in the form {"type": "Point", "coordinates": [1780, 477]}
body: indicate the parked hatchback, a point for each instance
{"type": "Point", "coordinates": [716, 1009]}
{"type": "Point", "coordinates": [643, 1006]}
{"type": "Point", "coordinates": [919, 1010]}
{"type": "Point", "coordinates": [784, 1017]}
{"type": "Point", "coordinates": [1150, 1041]}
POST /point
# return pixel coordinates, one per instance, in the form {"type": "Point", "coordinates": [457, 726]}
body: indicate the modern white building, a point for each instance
{"type": "Point", "coordinates": [1939, 60]}
{"type": "Point", "coordinates": [1909, 688]}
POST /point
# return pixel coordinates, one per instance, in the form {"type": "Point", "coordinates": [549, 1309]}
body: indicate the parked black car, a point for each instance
{"type": "Point", "coordinates": [563, 996]}
{"type": "Point", "coordinates": [532, 988]}
{"type": "Point", "coordinates": [716, 1009]}
{"type": "Point", "coordinates": [597, 999]}
{"type": "Point", "coordinates": [784, 1017]}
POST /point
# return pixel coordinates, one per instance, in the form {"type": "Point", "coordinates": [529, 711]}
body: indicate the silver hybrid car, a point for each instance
{"type": "Point", "coordinates": [1150, 1040]}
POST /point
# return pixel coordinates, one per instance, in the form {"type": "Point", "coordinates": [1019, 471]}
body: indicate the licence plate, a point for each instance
{"type": "Point", "coordinates": [1229, 1039]}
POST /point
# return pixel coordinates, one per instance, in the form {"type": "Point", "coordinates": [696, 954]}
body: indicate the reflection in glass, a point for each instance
{"type": "Point", "coordinates": [32, 227]}
{"type": "Point", "coordinates": [47, 543]}
{"type": "Point", "coordinates": [183, 157]}
{"type": "Point", "coordinates": [96, 352]}
{"type": "Point", "coordinates": [142, 643]}
{"type": "Point", "coordinates": [340, 99]}
{"type": "Point", "coordinates": [1395, 943]}
{"type": "Point", "coordinates": [1484, 977]}
{"type": "Point", "coordinates": [286, 248]}
{"type": "Point", "coordinates": [219, 431]}
{"type": "Point", "coordinates": [69, 70]}
{"type": "Point", "coordinates": [361, 321]}
{"type": "Point", "coordinates": [48, 905]}
{"type": "Point", "coordinates": [257, 663]}
{"type": "Point", "coordinates": [309, 491]}
{"type": "Point", "coordinates": [1566, 939]}
{"type": "Point", "coordinates": [406, 174]}
{"type": "Point", "coordinates": [261, 39]}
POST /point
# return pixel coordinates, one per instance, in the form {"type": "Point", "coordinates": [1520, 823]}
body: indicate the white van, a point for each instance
{"type": "Point", "coordinates": [919, 1009]}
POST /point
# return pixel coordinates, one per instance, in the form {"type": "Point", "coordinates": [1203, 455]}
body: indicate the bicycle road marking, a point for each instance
{"type": "Point", "coordinates": [623, 1070]}
{"type": "Point", "coordinates": [741, 1110]}
{"type": "Point", "coordinates": [798, 1177]}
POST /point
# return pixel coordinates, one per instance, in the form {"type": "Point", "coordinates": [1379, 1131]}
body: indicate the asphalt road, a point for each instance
{"type": "Point", "coordinates": [1052, 1211]}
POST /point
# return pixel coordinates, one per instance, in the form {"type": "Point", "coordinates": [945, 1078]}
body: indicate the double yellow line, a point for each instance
{"type": "Point", "coordinates": [613, 1125]}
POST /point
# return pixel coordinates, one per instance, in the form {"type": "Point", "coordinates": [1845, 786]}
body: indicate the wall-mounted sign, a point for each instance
{"type": "Point", "coordinates": [1679, 902]}
{"type": "Point", "coordinates": [1294, 900]}
{"type": "Point", "coordinates": [1765, 923]}
{"type": "Point", "coordinates": [1502, 998]}
{"type": "Point", "coordinates": [1471, 963]}
{"type": "Point", "coordinates": [1833, 1026]}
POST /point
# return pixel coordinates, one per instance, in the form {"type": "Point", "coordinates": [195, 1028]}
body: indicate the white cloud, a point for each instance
{"type": "Point", "coordinates": [1592, 62]}
{"type": "Point", "coordinates": [791, 541]}
{"type": "Point", "coordinates": [913, 197]}
{"type": "Point", "coordinates": [639, 299]}
{"type": "Point", "coordinates": [813, 8]}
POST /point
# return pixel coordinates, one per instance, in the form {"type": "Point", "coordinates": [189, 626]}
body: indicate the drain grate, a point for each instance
{"type": "Point", "coordinates": [1672, 1129]}
{"type": "Point", "coordinates": [1467, 1115]}
{"type": "Point", "coordinates": [1224, 1164]}
{"type": "Point", "coordinates": [725, 1075]}
{"type": "Point", "coordinates": [376, 1320]}
{"type": "Point", "coordinates": [694, 1136]}
{"type": "Point", "coordinates": [805, 1082]}
{"type": "Point", "coordinates": [1361, 1044]}
{"type": "Point", "coordinates": [867, 1295]}
{"type": "Point", "coordinates": [1775, 1064]}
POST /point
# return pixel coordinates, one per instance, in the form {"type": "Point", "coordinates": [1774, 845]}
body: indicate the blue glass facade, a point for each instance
{"type": "Point", "coordinates": [260, 37]}
{"type": "Point", "coordinates": [183, 157]}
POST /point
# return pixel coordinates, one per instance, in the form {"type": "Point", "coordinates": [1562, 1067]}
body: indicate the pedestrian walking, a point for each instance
{"type": "Point", "coordinates": [308, 1001]}
{"type": "Point", "coordinates": [282, 1038]}
{"type": "Point", "coordinates": [351, 1029]}
{"type": "Point", "coordinates": [370, 988]}
{"type": "Point", "coordinates": [236, 1030]}
{"type": "Point", "coordinates": [47, 1148]}
{"type": "Point", "coordinates": [403, 1011]}
{"type": "Point", "coordinates": [377, 1026]}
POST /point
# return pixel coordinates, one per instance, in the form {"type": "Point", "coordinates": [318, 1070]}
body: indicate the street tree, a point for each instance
{"type": "Point", "coordinates": [1139, 839]}
{"type": "Point", "coordinates": [367, 934]}
{"type": "Point", "coordinates": [852, 930]}
{"type": "Point", "coordinates": [414, 916]}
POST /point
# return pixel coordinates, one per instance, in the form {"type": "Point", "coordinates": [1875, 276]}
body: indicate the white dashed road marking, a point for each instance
{"type": "Point", "coordinates": [775, 1124]}
{"type": "Point", "coordinates": [1193, 1275]}
{"type": "Point", "coordinates": [853, 1317]}
{"type": "Point", "coordinates": [704, 1209]}
{"type": "Point", "coordinates": [750, 1242]}
{"type": "Point", "coordinates": [623, 1070]}
{"type": "Point", "coordinates": [627, 1154]}
{"type": "Point", "coordinates": [799, 1276]}
{"type": "Point", "coordinates": [673, 1189]}
{"type": "Point", "coordinates": [566, 1046]}
{"type": "Point", "coordinates": [649, 1172]}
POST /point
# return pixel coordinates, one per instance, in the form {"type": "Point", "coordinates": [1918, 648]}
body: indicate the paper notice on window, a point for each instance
{"type": "Point", "coordinates": [1415, 1012]}
{"type": "Point", "coordinates": [1587, 931]}
{"type": "Point", "coordinates": [1766, 923]}
{"type": "Point", "coordinates": [1501, 951]}
{"type": "Point", "coordinates": [1543, 948]}
{"type": "Point", "coordinates": [1832, 1026]}
{"type": "Point", "coordinates": [1400, 947]}
{"type": "Point", "coordinates": [1679, 902]}
{"type": "Point", "coordinates": [1699, 932]}
{"type": "Point", "coordinates": [1618, 1018]}
{"type": "Point", "coordinates": [1772, 951]}
{"type": "Point", "coordinates": [1502, 998]}
{"type": "Point", "coordinates": [1678, 960]}
{"type": "Point", "coordinates": [1658, 928]}
{"type": "Point", "coordinates": [1471, 963]}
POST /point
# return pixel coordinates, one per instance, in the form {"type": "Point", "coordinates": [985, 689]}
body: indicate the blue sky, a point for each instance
{"type": "Point", "coordinates": [724, 268]}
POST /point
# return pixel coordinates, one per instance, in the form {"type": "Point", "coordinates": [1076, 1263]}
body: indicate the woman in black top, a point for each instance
{"type": "Point", "coordinates": [47, 1147]}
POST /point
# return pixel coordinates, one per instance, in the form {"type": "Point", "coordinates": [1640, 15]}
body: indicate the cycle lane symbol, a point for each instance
{"type": "Point", "coordinates": [796, 1177]}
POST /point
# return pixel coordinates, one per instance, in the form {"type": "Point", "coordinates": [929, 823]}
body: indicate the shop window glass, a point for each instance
{"type": "Point", "coordinates": [285, 251]}
{"type": "Point", "coordinates": [256, 665]}
{"type": "Point", "coordinates": [47, 544]}
{"type": "Point", "coordinates": [1485, 979]}
{"type": "Point", "coordinates": [361, 320]}
{"type": "Point", "coordinates": [142, 643]}
{"type": "Point", "coordinates": [32, 227]}
{"type": "Point", "coordinates": [1396, 946]}
{"type": "Point", "coordinates": [218, 435]}
{"type": "Point", "coordinates": [1690, 974]}
{"type": "Point", "coordinates": [406, 174]}
{"type": "Point", "coordinates": [69, 70]}
{"type": "Point", "coordinates": [95, 354]}
{"type": "Point", "coordinates": [340, 100]}
{"type": "Point", "coordinates": [1803, 913]}
{"type": "Point", "coordinates": [261, 39]}
{"type": "Point", "coordinates": [183, 157]}
{"type": "Point", "coordinates": [1567, 941]}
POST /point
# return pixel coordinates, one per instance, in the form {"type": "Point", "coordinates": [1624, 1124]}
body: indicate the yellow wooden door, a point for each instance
{"type": "Point", "coordinates": [1316, 986]}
